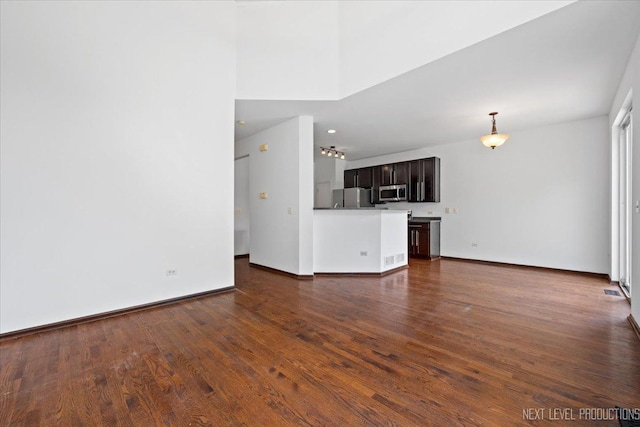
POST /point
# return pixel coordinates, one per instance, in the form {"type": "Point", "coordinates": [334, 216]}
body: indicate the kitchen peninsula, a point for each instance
{"type": "Point", "coordinates": [359, 240]}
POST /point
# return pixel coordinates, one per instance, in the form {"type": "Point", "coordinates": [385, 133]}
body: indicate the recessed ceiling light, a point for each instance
{"type": "Point", "coordinates": [241, 122]}
{"type": "Point", "coordinates": [331, 131]}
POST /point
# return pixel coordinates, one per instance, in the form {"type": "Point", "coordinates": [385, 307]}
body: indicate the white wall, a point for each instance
{"type": "Point", "coordinates": [288, 50]}
{"type": "Point", "coordinates": [241, 225]}
{"type": "Point", "coordinates": [282, 224]}
{"type": "Point", "coordinates": [540, 199]}
{"type": "Point", "coordinates": [630, 83]}
{"type": "Point", "coordinates": [117, 130]}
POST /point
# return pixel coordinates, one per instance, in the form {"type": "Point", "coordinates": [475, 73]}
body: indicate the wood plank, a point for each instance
{"type": "Point", "coordinates": [443, 343]}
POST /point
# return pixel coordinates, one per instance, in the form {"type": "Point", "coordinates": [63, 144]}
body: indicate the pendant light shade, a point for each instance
{"type": "Point", "coordinates": [494, 139]}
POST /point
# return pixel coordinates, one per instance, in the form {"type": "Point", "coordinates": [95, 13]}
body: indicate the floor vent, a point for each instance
{"type": "Point", "coordinates": [389, 260]}
{"type": "Point", "coordinates": [610, 292]}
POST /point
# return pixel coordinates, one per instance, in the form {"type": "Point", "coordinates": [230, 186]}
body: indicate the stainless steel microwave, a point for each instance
{"type": "Point", "coordinates": [392, 193]}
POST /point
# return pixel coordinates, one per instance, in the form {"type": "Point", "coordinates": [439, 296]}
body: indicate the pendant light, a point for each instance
{"type": "Point", "coordinates": [494, 139]}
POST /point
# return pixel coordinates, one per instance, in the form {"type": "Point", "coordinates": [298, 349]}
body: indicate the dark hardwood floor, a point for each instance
{"type": "Point", "coordinates": [443, 343]}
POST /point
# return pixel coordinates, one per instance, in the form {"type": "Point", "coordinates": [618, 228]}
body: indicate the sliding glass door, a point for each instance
{"type": "Point", "coordinates": [625, 204]}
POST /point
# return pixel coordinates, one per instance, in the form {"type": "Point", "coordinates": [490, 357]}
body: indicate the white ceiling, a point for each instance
{"type": "Point", "coordinates": [560, 67]}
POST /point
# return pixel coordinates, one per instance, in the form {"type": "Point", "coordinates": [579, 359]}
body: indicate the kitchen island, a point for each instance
{"type": "Point", "coordinates": [364, 240]}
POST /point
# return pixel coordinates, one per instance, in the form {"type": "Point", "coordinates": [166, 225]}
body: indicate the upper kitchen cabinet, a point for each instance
{"type": "Point", "coordinates": [365, 177]}
{"type": "Point", "coordinates": [351, 178]}
{"type": "Point", "coordinates": [391, 174]}
{"type": "Point", "coordinates": [358, 178]}
{"type": "Point", "coordinates": [424, 180]}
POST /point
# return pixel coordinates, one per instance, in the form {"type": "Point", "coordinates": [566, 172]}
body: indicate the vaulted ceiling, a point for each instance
{"type": "Point", "coordinates": [563, 66]}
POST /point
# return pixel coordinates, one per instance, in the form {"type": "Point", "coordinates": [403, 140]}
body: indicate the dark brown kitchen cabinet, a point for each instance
{"type": "Point", "coordinates": [351, 178]}
{"type": "Point", "coordinates": [393, 174]}
{"type": "Point", "coordinates": [358, 178]}
{"type": "Point", "coordinates": [376, 173]}
{"type": "Point", "coordinates": [386, 175]}
{"type": "Point", "coordinates": [401, 171]}
{"type": "Point", "coordinates": [365, 177]}
{"type": "Point", "coordinates": [424, 180]}
{"type": "Point", "coordinates": [424, 239]}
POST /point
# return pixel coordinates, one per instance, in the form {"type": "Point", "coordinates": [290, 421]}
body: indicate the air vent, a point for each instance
{"type": "Point", "coordinates": [389, 260]}
{"type": "Point", "coordinates": [609, 292]}
{"type": "Point", "coordinates": [400, 258]}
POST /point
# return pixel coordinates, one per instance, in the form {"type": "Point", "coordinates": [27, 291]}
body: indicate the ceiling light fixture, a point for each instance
{"type": "Point", "coordinates": [331, 151]}
{"type": "Point", "coordinates": [331, 131]}
{"type": "Point", "coordinates": [494, 139]}
{"type": "Point", "coordinates": [241, 122]}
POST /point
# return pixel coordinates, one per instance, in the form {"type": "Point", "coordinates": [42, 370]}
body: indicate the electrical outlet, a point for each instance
{"type": "Point", "coordinates": [171, 272]}
{"type": "Point", "coordinates": [446, 210]}
{"type": "Point", "coordinates": [290, 211]}
{"type": "Point", "coordinates": [238, 212]}
{"type": "Point", "coordinates": [455, 210]}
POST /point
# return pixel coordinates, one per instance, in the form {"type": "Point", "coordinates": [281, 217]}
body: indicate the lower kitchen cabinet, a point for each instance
{"type": "Point", "coordinates": [424, 239]}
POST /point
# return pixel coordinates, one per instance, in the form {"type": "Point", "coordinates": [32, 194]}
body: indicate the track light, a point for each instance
{"type": "Point", "coordinates": [331, 152]}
